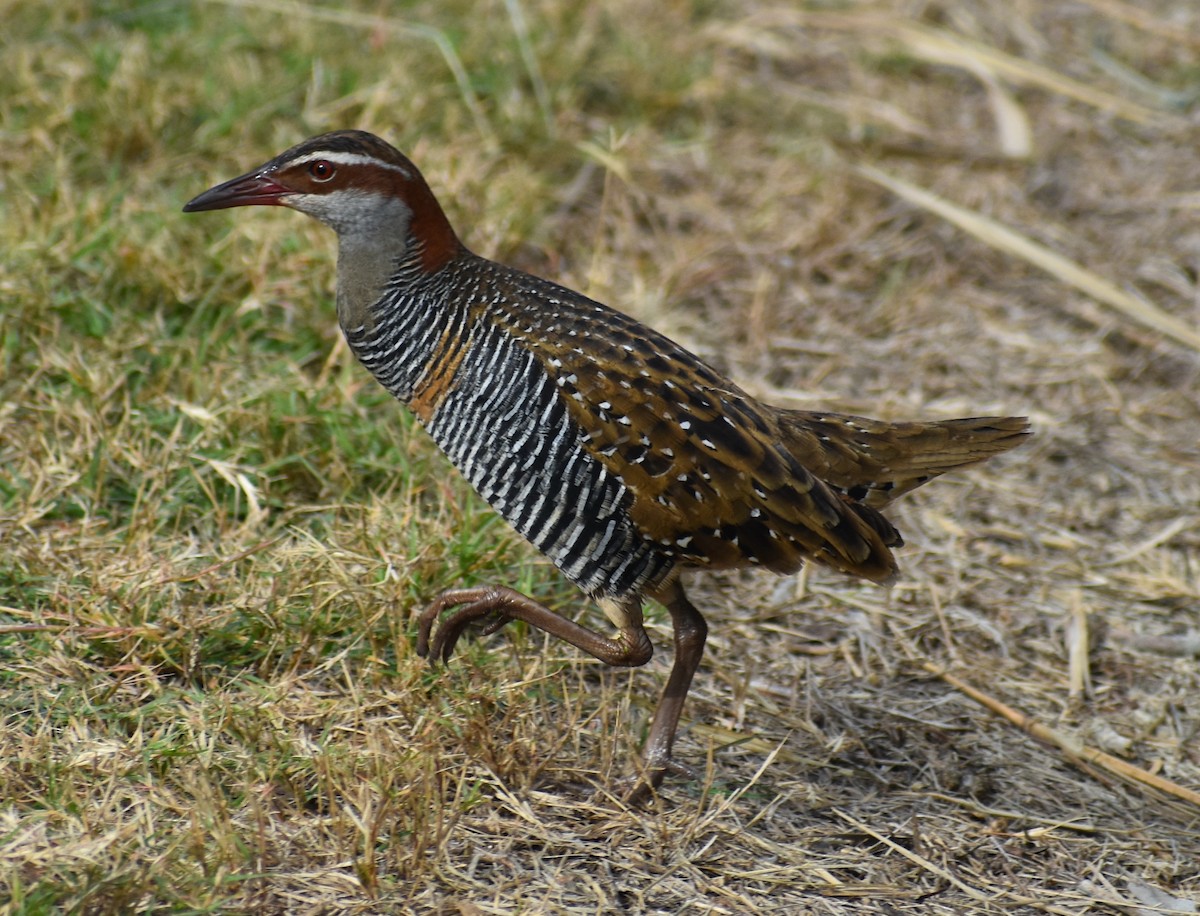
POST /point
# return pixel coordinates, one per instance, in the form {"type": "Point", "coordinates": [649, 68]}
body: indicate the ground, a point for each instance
{"type": "Point", "coordinates": [216, 529]}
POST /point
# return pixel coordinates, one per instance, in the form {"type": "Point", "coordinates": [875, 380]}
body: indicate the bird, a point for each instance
{"type": "Point", "coordinates": [620, 455]}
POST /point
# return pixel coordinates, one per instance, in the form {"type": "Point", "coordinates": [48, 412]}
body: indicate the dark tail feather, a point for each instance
{"type": "Point", "coordinates": [873, 461]}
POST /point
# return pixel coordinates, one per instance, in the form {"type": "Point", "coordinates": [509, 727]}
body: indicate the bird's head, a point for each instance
{"type": "Point", "coordinates": [357, 184]}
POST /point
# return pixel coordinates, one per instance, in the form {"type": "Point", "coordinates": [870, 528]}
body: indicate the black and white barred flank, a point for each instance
{"type": "Point", "coordinates": [504, 425]}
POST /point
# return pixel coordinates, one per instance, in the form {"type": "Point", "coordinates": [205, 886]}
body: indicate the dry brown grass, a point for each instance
{"type": "Point", "coordinates": [215, 530]}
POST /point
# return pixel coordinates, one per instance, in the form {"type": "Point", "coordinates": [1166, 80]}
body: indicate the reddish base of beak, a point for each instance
{"type": "Point", "coordinates": [244, 191]}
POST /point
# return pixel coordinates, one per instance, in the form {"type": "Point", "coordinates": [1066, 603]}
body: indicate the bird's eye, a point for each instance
{"type": "Point", "coordinates": [321, 170]}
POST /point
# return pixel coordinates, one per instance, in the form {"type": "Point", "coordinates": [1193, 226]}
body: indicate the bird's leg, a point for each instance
{"type": "Point", "coordinates": [690, 634]}
{"type": "Point", "coordinates": [630, 648]}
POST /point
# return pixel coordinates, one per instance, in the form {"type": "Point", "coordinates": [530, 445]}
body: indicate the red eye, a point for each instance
{"type": "Point", "coordinates": [321, 170]}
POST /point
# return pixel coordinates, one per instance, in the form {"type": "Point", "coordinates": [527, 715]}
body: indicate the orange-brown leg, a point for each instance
{"type": "Point", "coordinates": [691, 631]}
{"type": "Point", "coordinates": [630, 648]}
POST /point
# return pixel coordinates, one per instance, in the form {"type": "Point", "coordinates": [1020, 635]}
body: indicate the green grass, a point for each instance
{"type": "Point", "coordinates": [215, 529]}
{"type": "Point", "coordinates": [218, 522]}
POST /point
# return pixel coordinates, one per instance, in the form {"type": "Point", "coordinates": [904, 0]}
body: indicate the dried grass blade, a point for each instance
{"type": "Point", "coordinates": [942, 873]}
{"type": "Point", "coordinates": [917, 859]}
{"type": "Point", "coordinates": [227, 561]}
{"type": "Point", "coordinates": [1012, 123]}
{"type": "Point", "coordinates": [1140, 19]}
{"type": "Point", "coordinates": [939, 46]}
{"type": "Point", "coordinates": [1072, 750]}
{"type": "Point", "coordinates": [1008, 240]}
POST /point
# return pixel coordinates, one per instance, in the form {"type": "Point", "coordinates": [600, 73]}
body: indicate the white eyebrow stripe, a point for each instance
{"type": "Point", "coordinates": [344, 158]}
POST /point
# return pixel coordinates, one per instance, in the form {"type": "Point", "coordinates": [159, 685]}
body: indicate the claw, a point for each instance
{"type": "Point", "coordinates": [638, 790]}
{"type": "Point", "coordinates": [422, 646]}
{"type": "Point", "coordinates": [473, 604]}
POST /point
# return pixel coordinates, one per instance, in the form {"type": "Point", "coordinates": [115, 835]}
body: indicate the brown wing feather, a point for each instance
{"type": "Point", "coordinates": [712, 475]}
{"type": "Point", "coordinates": [723, 480]}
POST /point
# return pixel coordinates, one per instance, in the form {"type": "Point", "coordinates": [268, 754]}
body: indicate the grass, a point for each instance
{"type": "Point", "coordinates": [215, 529]}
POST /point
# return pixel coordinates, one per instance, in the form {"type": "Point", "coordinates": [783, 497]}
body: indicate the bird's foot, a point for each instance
{"type": "Point", "coordinates": [638, 790]}
{"type": "Point", "coordinates": [631, 647]}
{"type": "Point", "coordinates": [476, 604]}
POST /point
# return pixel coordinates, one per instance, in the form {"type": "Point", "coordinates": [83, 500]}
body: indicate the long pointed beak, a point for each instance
{"type": "Point", "coordinates": [243, 191]}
